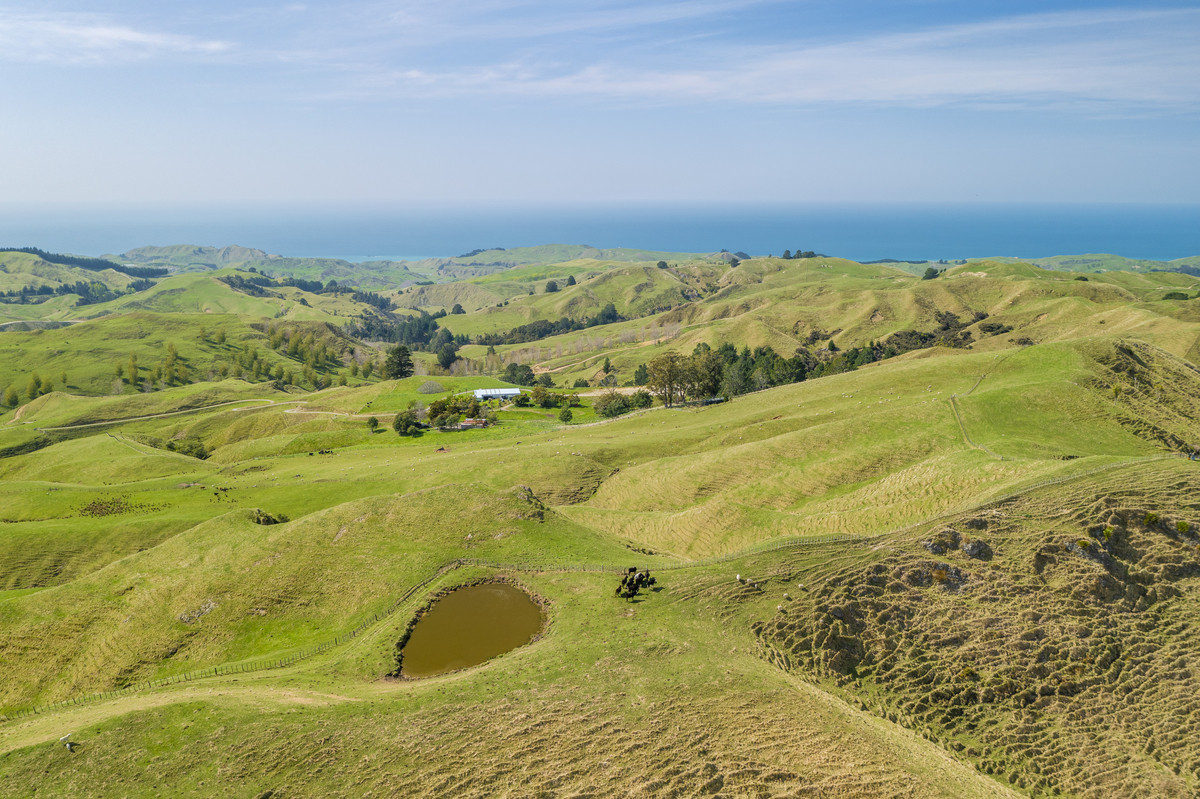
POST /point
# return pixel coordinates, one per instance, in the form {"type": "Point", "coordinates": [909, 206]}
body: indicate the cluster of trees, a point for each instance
{"type": "Point", "coordinates": [520, 374]}
{"type": "Point", "coordinates": [552, 285]}
{"type": "Point", "coordinates": [614, 403]}
{"type": "Point", "coordinates": [541, 397]}
{"type": "Point", "coordinates": [787, 255]}
{"type": "Point", "coordinates": [36, 387]}
{"type": "Point", "coordinates": [256, 285]}
{"type": "Point", "coordinates": [442, 413]}
{"type": "Point", "coordinates": [420, 332]}
{"type": "Point", "coordinates": [542, 328]}
{"type": "Point", "coordinates": [314, 353]}
{"type": "Point", "coordinates": [727, 372]}
{"type": "Point", "coordinates": [89, 292]}
{"type": "Point", "coordinates": [91, 264]}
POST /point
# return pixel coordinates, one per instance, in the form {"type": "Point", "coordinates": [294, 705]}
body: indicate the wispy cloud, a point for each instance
{"type": "Point", "coordinates": [1131, 59]}
{"type": "Point", "coordinates": [72, 38]}
{"type": "Point", "coordinates": [492, 20]}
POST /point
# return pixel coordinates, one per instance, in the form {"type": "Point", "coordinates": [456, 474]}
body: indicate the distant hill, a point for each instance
{"type": "Point", "coordinates": [370, 275]}
{"type": "Point", "coordinates": [486, 262]}
{"type": "Point", "coordinates": [1106, 262]}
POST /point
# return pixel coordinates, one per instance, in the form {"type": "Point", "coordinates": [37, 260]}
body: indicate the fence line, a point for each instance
{"type": "Point", "coordinates": [282, 661]}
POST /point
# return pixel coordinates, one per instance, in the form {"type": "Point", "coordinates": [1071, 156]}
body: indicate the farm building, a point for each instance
{"type": "Point", "coordinates": [483, 394]}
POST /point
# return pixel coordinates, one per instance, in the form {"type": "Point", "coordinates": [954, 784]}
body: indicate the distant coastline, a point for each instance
{"type": "Point", "coordinates": [864, 232]}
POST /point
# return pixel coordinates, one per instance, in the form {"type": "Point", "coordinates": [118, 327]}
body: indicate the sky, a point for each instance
{"type": "Point", "coordinates": [114, 103]}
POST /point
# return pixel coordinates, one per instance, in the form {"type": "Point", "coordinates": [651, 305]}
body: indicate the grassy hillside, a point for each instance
{"type": "Point", "coordinates": [956, 572]}
{"type": "Point", "coordinates": [371, 275]}
{"type": "Point", "coordinates": [771, 302]}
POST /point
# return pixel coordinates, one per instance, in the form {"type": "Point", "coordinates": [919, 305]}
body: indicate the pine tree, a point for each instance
{"type": "Point", "coordinates": [398, 364]}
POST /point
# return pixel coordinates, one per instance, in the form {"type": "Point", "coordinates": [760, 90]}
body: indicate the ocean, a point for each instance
{"type": "Point", "coordinates": [859, 232]}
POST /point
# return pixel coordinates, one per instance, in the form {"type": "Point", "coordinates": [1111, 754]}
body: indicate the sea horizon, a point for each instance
{"type": "Point", "coordinates": [915, 232]}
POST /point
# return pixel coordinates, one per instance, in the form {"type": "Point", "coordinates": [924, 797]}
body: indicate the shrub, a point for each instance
{"type": "Point", "coordinates": [430, 387]}
{"type": "Point", "coordinates": [1108, 533]}
{"type": "Point", "coordinates": [640, 399]}
{"type": "Point", "coordinates": [581, 383]}
{"type": "Point", "coordinates": [192, 447]}
{"type": "Point", "coordinates": [565, 415]}
{"type": "Point", "coordinates": [1183, 527]}
{"type": "Point", "coordinates": [262, 517]}
{"type": "Point", "coordinates": [1151, 519]}
{"type": "Point", "coordinates": [611, 404]}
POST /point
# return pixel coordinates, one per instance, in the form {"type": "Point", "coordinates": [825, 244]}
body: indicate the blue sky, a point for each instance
{"type": "Point", "coordinates": [503, 101]}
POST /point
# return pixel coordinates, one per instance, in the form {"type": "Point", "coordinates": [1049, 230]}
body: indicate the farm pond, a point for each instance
{"type": "Point", "coordinates": [468, 626]}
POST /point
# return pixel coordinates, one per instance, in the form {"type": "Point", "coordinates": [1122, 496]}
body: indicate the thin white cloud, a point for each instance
{"type": "Point", "coordinates": [504, 19]}
{"type": "Point", "coordinates": [70, 38]}
{"type": "Point", "coordinates": [1083, 60]}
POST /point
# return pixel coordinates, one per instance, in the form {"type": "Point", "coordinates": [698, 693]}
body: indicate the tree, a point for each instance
{"type": "Point", "coordinates": [708, 370]}
{"type": "Point", "coordinates": [640, 375]}
{"type": "Point", "coordinates": [667, 377]}
{"type": "Point", "coordinates": [457, 309]}
{"type": "Point", "coordinates": [544, 380]}
{"type": "Point", "coordinates": [734, 262]}
{"type": "Point", "coordinates": [518, 374]}
{"type": "Point", "coordinates": [661, 264]}
{"type": "Point", "coordinates": [570, 280]}
{"type": "Point", "coordinates": [372, 424]}
{"type": "Point", "coordinates": [640, 399]}
{"type": "Point", "coordinates": [565, 415]}
{"type": "Point", "coordinates": [406, 423]}
{"type": "Point", "coordinates": [607, 365]}
{"type": "Point", "coordinates": [787, 255]}
{"type": "Point", "coordinates": [11, 398]}
{"type": "Point", "coordinates": [551, 286]}
{"type": "Point", "coordinates": [447, 355]}
{"type": "Point", "coordinates": [398, 364]}
{"type": "Point", "coordinates": [930, 273]}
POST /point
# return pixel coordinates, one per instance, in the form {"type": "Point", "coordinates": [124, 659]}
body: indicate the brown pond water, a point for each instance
{"type": "Point", "coordinates": [468, 626]}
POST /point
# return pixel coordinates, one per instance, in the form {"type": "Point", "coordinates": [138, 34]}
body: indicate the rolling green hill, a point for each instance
{"type": "Point", "coordinates": [371, 275]}
{"type": "Point", "coordinates": [963, 570]}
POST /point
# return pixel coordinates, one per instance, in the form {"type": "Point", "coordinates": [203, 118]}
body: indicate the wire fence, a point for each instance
{"type": "Point", "coordinates": [283, 661]}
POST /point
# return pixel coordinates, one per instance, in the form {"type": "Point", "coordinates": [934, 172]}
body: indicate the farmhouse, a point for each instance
{"type": "Point", "coordinates": [483, 394]}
